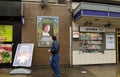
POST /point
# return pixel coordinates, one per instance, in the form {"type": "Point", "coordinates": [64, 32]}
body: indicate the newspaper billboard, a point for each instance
{"type": "Point", "coordinates": [23, 55]}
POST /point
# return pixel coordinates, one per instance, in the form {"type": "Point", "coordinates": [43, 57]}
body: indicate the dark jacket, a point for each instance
{"type": "Point", "coordinates": [55, 47]}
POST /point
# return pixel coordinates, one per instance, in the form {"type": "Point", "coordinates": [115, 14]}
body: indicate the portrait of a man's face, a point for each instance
{"type": "Point", "coordinates": [47, 30]}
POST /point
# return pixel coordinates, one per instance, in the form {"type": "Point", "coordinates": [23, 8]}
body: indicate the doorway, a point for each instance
{"type": "Point", "coordinates": [118, 45]}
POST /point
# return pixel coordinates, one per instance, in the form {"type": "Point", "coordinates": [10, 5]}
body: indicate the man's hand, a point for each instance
{"type": "Point", "coordinates": [49, 50]}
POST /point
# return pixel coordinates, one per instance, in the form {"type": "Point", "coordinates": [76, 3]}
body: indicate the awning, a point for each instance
{"type": "Point", "coordinates": [97, 14]}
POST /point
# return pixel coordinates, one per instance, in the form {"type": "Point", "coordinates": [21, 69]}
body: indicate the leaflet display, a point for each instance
{"type": "Point", "coordinates": [91, 42]}
{"type": "Point", "coordinates": [23, 56]}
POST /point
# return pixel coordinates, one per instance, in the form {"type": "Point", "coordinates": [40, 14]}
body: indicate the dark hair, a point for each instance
{"type": "Point", "coordinates": [54, 38]}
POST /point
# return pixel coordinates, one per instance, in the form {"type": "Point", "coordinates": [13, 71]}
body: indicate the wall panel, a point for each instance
{"type": "Point", "coordinates": [30, 12]}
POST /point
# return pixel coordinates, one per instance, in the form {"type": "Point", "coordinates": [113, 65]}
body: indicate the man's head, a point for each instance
{"type": "Point", "coordinates": [47, 28]}
{"type": "Point", "coordinates": [54, 38]}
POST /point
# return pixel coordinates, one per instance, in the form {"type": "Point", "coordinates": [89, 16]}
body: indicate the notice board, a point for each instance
{"type": "Point", "coordinates": [23, 55]}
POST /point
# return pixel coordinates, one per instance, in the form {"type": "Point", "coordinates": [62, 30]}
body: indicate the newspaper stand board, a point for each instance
{"type": "Point", "coordinates": [23, 58]}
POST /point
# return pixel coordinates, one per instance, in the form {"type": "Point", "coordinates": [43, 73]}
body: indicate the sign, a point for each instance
{"type": "Point", "coordinates": [46, 27]}
{"type": "Point", "coordinates": [92, 29]}
{"type": "Point", "coordinates": [75, 34]}
{"type": "Point", "coordinates": [5, 53]}
{"type": "Point", "coordinates": [110, 40]}
{"type": "Point", "coordinates": [6, 33]}
{"type": "Point", "coordinates": [23, 55]}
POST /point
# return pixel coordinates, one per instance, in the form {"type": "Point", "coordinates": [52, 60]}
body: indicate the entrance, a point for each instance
{"type": "Point", "coordinates": [118, 45]}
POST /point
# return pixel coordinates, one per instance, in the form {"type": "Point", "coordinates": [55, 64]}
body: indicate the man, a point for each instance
{"type": "Point", "coordinates": [54, 62]}
{"type": "Point", "coordinates": [46, 30]}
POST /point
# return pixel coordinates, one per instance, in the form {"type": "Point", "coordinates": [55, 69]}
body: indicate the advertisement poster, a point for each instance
{"type": "Point", "coordinates": [110, 41]}
{"type": "Point", "coordinates": [46, 27]}
{"type": "Point", "coordinates": [23, 55]}
{"type": "Point", "coordinates": [6, 33]}
{"type": "Point", "coordinates": [75, 34]}
{"type": "Point", "coordinates": [5, 53]}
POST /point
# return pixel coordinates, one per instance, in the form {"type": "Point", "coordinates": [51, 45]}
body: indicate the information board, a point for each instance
{"type": "Point", "coordinates": [23, 55]}
{"type": "Point", "coordinates": [110, 40]}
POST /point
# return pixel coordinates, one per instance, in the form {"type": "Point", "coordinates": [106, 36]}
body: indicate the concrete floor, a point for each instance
{"type": "Point", "coordinates": [66, 71]}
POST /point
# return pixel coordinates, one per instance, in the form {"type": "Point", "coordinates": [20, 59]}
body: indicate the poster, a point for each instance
{"type": "Point", "coordinates": [6, 32]}
{"type": "Point", "coordinates": [5, 53]}
{"type": "Point", "coordinates": [110, 40]}
{"type": "Point", "coordinates": [46, 27]}
{"type": "Point", "coordinates": [23, 55]}
{"type": "Point", "coordinates": [75, 34]}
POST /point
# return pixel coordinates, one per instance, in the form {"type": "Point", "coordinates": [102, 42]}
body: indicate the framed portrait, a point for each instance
{"type": "Point", "coordinates": [46, 27]}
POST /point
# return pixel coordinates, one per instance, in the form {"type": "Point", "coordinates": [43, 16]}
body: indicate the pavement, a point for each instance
{"type": "Point", "coordinates": [110, 70]}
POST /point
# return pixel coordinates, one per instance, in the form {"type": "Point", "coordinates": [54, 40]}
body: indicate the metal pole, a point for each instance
{"type": "Point", "coordinates": [70, 47]}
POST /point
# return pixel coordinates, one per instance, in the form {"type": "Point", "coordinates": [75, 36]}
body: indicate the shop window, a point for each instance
{"type": "Point", "coordinates": [91, 42]}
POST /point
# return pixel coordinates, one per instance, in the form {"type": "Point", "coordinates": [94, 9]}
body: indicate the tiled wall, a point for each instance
{"type": "Point", "coordinates": [94, 58]}
{"type": "Point", "coordinates": [78, 58]}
